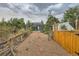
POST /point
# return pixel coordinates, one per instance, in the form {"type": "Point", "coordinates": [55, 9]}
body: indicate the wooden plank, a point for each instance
{"type": "Point", "coordinates": [8, 44]}
{"type": "Point", "coordinates": [68, 40]}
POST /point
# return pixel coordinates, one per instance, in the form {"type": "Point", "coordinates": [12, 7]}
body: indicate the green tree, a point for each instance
{"type": "Point", "coordinates": [3, 22]}
{"type": "Point", "coordinates": [71, 15]}
{"type": "Point", "coordinates": [21, 23]}
{"type": "Point", "coordinates": [51, 21]}
{"type": "Point", "coordinates": [16, 24]}
{"type": "Point", "coordinates": [29, 25]}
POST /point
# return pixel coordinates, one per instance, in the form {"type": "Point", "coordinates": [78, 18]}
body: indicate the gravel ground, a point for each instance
{"type": "Point", "coordinates": [37, 44]}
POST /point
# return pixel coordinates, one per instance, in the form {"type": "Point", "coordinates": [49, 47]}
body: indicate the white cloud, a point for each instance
{"type": "Point", "coordinates": [30, 7]}
{"type": "Point", "coordinates": [26, 9]}
{"type": "Point", "coordinates": [33, 12]}
{"type": "Point", "coordinates": [56, 6]}
{"type": "Point", "coordinates": [73, 5]}
{"type": "Point", "coordinates": [59, 16]}
{"type": "Point", "coordinates": [37, 18]}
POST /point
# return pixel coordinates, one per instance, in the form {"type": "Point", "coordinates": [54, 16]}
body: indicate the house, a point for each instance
{"type": "Point", "coordinates": [37, 26]}
{"type": "Point", "coordinates": [63, 26]}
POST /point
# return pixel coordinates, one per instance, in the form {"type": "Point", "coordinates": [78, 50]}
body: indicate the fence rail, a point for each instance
{"type": "Point", "coordinates": [8, 47]}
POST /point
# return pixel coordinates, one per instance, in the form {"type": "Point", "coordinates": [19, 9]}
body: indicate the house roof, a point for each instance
{"type": "Point", "coordinates": [37, 24]}
{"type": "Point", "coordinates": [67, 25]}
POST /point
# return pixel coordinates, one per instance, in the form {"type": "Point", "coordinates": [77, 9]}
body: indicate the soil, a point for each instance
{"type": "Point", "coordinates": [37, 44]}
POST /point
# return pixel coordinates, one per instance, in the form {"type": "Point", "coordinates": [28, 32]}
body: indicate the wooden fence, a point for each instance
{"type": "Point", "coordinates": [69, 40]}
{"type": "Point", "coordinates": [9, 47]}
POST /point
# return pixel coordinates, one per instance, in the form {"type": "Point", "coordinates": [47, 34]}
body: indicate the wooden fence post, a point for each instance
{"type": "Point", "coordinates": [11, 47]}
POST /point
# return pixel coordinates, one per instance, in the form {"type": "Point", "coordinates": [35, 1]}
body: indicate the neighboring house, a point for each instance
{"type": "Point", "coordinates": [63, 26]}
{"type": "Point", "coordinates": [37, 26]}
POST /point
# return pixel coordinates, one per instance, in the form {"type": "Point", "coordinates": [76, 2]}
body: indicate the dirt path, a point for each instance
{"type": "Point", "coordinates": [37, 44]}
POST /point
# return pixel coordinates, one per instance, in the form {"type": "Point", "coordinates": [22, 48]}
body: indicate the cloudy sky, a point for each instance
{"type": "Point", "coordinates": [34, 12]}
